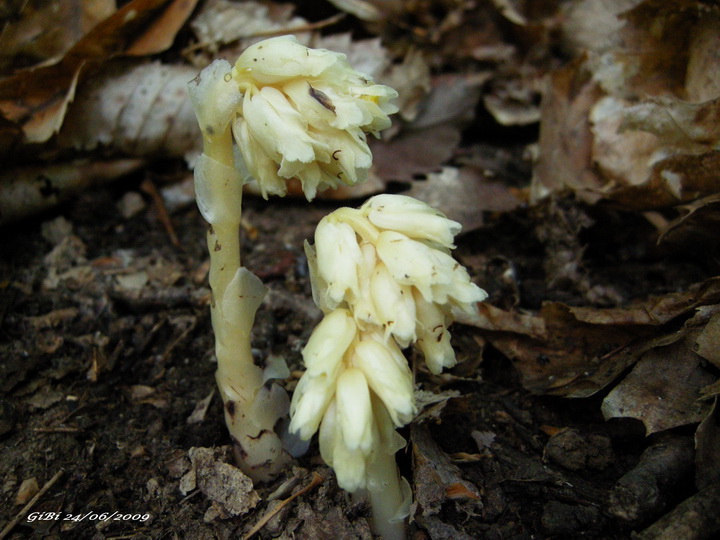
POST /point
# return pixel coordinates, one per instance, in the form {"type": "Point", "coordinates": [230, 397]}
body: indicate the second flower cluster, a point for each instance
{"type": "Point", "coordinates": [384, 277]}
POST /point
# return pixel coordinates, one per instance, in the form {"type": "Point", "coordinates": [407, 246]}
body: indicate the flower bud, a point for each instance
{"type": "Point", "coordinates": [394, 305]}
{"type": "Point", "coordinates": [215, 97]}
{"type": "Point", "coordinates": [364, 307]}
{"type": "Point", "coordinates": [433, 336]}
{"type": "Point", "coordinates": [349, 465]}
{"type": "Point", "coordinates": [411, 217]}
{"type": "Point", "coordinates": [388, 375]}
{"type": "Point", "coordinates": [329, 342]}
{"type": "Point", "coordinates": [338, 256]}
{"type": "Point", "coordinates": [309, 403]}
{"type": "Point", "coordinates": [354, 410]}
{"type": "Point", "coordinates": [411, 262]}
{"type": "Point", "coordinates": [279, 59]}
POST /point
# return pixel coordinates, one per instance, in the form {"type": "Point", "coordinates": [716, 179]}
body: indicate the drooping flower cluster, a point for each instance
{"type": "Point", "coordinates": [390, 262]}
{"type": "Point", "coordinates": [355, 389]}
{"type": "Point", "coordinates": [304, 114]}
{"type": "Point", "coordinates": [384, 278]}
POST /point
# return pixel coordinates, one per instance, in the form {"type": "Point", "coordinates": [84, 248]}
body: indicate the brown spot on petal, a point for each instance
{"type": "Point", "coordinates": [240, 453]}
{"type": "Point", "coordinates": [230, 407]}
{"type": "Point", "coordinates": [322, 98]}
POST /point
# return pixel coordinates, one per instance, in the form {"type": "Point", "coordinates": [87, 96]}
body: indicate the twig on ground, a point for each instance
{"type": "Point", "coordinates": [148, 186]}
{"type": "Point", "coordinates": [643, 492]}
{"type": "Point", "coordinates": [10, 526]}
{"type": "Point", "coordinates": [317, 479]}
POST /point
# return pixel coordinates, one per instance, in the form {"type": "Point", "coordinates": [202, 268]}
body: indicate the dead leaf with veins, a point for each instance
{"type": "Point", "coordinates": [37, 99]}
{"type": "Point", "coordinates": [662, 390]}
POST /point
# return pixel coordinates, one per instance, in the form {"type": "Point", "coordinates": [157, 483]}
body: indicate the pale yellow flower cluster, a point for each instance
{"type": "Point", "coordinates": [304, 114]}
{"type": "Point", "coordinates": [384, 277]}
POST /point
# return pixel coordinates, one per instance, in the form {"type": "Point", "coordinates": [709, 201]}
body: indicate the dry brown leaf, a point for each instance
{"type": "Point", "coordinates": [230, 491]}
{"type": "Point", "coordinates": [37, 99]}
{"type": "Point", "coordinates": [139, 109]}
{"type": "Point", "coordinates": [707, 343]}
{"type": "Point", "coordinates": [436, 478]}
{"type": "Point", "coordinates": [710, 391]}
{"type": "Point", "coordinates": [662, 390]}
{"type": "Point", "coordinates": [572, 359]}
{"type": "Point", "coordinates": [45, 31]}
{"type": "Point", "coordinates": [594, 25]}
{"type": "Point", "coordinates": [220, 23]}
{"type": "Point", "coordinates": [637, 123]}
{"type": "Point", "coordinates": [576, 351]}
{"type": "Point", "coordinates": [564, 163]}
{"type": "Point", "coordinates": [495, 319]}
{"type": "Point", "coordinates": [366, 10]}
{"type": "Point", "coordinates": [160, 34]}
{"type": "Point", "coordinates": [676, 179]}
{"type": "Point", "coordinates": [426, 143]}
{"type": "Point", "coordinates": [513, 102]}
{"type": "Point", "coordinates": [414, 153]}
{"type": "Point", "coordinates": [697, 228]}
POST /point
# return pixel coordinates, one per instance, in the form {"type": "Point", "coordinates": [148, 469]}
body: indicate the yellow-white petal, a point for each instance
{"type": "Point", "coordinates": [364, 307]}
{"type": "Point", "coordinates": [277, 59]}
{"type": "Point", "coordinates": [394, 305]}
{"type": "Point", "coordinates": [309, 403]}
{"type": "Point", "coordinates": [261, 166]}
{"type": "Point", "coordinates": [411, 217]}
{"type": "Point", "coordinates": [390, 381]}
{"type": "Point", "coordinates": [279, 129]}
{"type": "Point", "coordinates": [433, 336]}
{"type": "Point", "coordinates": [354, 411]}
{"type": "Point", "coordinates": [338, 256]}
{"type": "Point", "coordinates": [329, 342]}
{"type": "Point", "coordinates": [349, 465]}
{"type": "Point", "coordinates": [411, 262]}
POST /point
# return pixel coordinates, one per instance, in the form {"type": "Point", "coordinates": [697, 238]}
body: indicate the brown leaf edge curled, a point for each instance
{"type": "Point", "coordinates": [37, 99]}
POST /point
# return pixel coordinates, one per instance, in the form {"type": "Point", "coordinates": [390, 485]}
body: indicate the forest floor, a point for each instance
{"type": "Point", "coordinates": [582, 402]}
{"type": "Point", "coordinates": [107, 378]}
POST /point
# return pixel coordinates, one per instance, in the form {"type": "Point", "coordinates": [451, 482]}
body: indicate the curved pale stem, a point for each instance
{"type": "Point", "coordinates": [251, 408]}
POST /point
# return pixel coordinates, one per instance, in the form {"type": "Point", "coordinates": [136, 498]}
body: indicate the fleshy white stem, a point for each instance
{"type": "Point", "coordinates": [387, 496]}
{"type": "Point", "coordinates": [251, 408]}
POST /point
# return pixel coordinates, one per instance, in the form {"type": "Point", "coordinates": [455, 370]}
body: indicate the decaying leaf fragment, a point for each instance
{"type": "Point", "coordinates": [637, 123]}
{"type": "Point", "coordinates": [229, 490]}
{"type": "Point", "coordinates": [576, 351]}
{"type": "Point", "coordinates": [44, 31]}
{"type": "Point", "coordinates": [236, 25]}
{"type": "Point", "coordinates": [430, 139]}
{"type": "Point", "coordinates": [438, 480]}
{"type": "Point", "coordinates": [37, 99]}
{"type": "Point", "coordinates": [707, 442]}
{"type": "Point", "coordinates": [140, 109]}
{"type": "Point", "coordinates": [662, 390]}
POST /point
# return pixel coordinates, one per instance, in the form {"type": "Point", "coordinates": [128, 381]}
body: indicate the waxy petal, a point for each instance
{"type": "Point", "coordinates": [391, 382]}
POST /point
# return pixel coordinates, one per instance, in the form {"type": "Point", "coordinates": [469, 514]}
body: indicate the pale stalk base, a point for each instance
{"type": "Point", "coordinates": [390, 498]}
{"type": "Point", "coordinates": [251, 409]}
